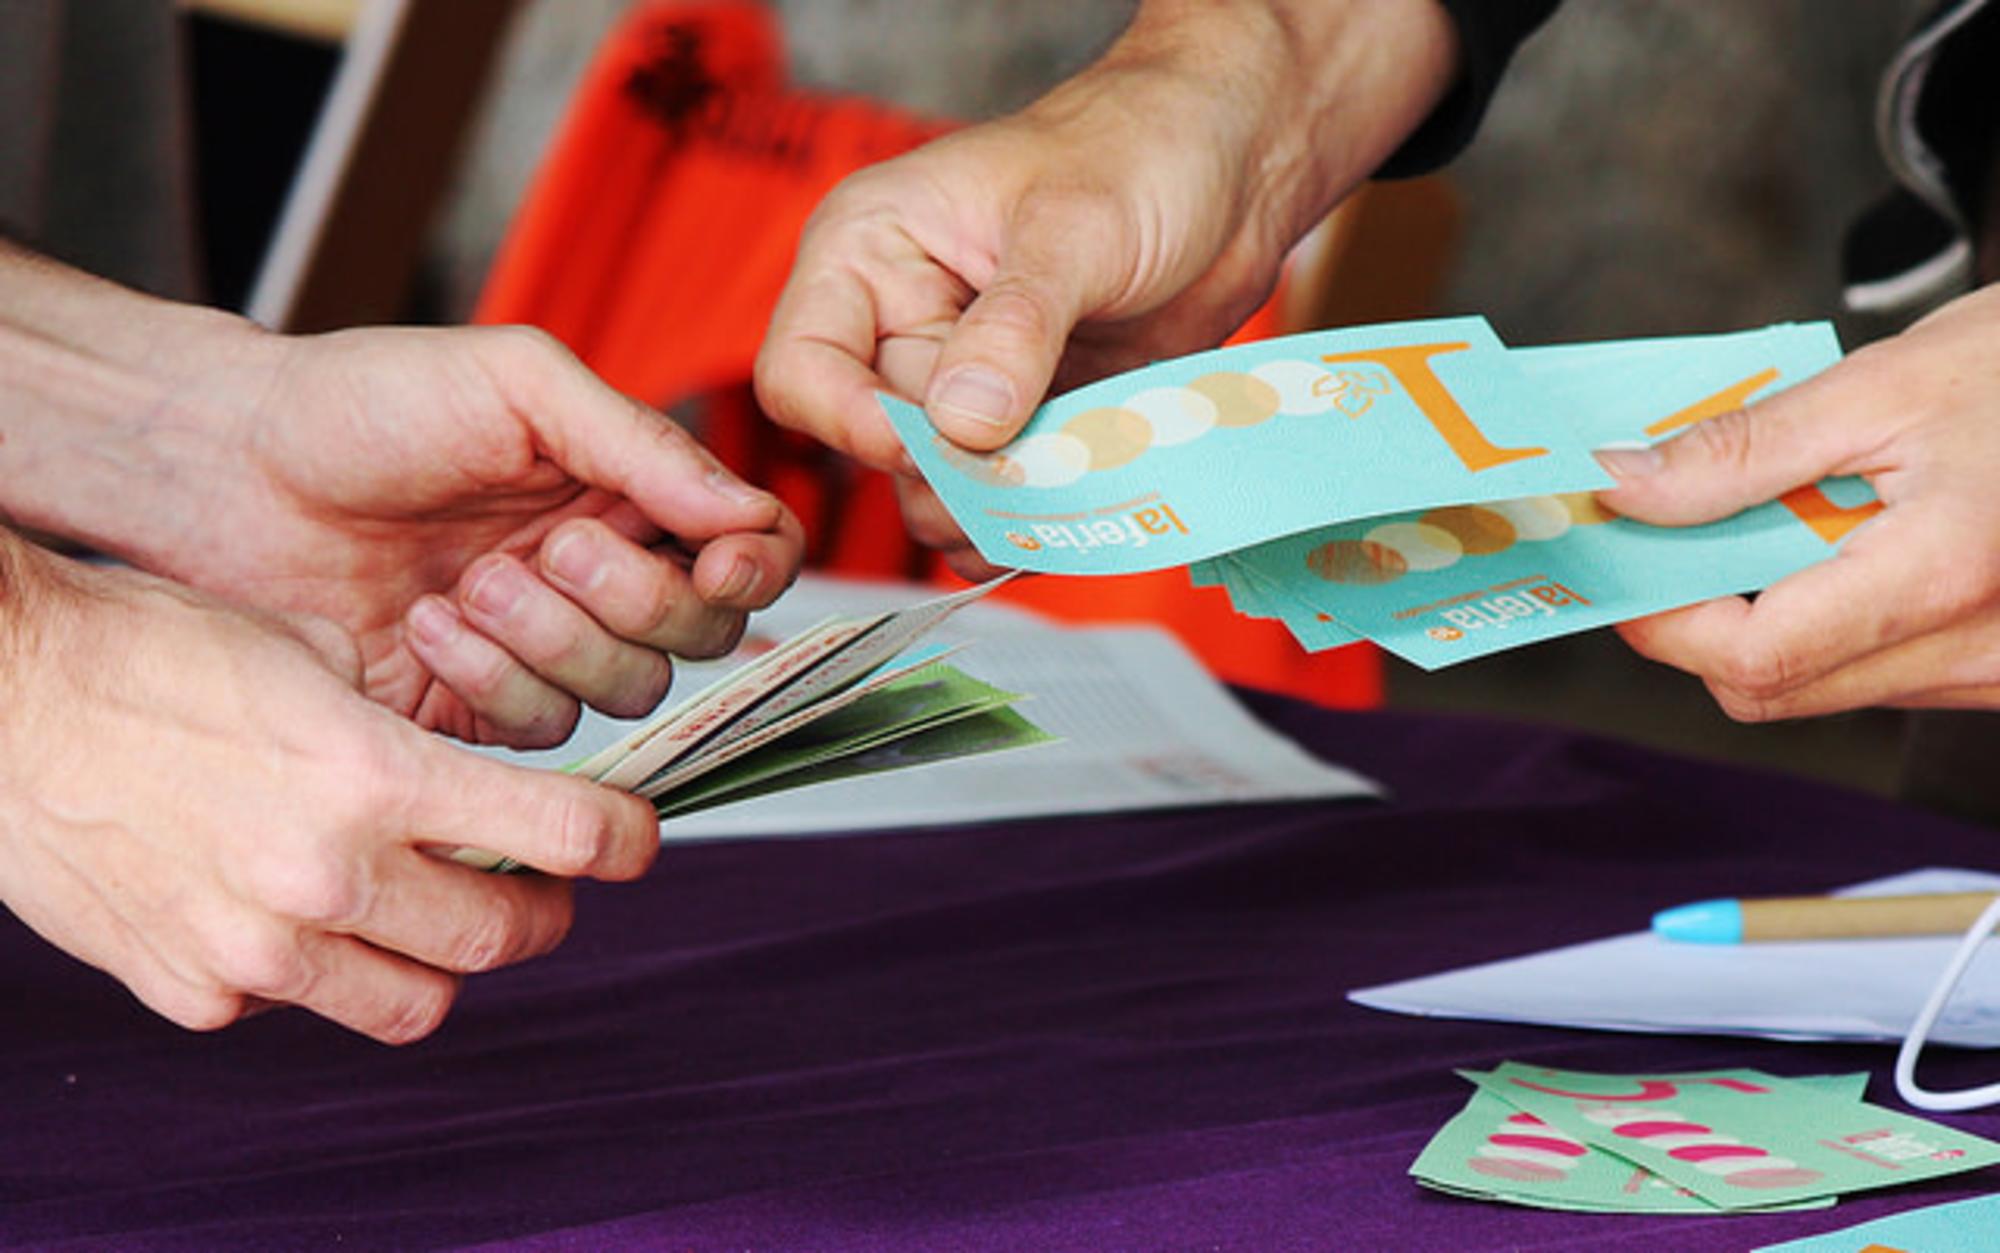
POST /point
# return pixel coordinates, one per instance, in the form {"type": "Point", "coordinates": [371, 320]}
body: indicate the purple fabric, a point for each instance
{"type": "Point", "coordinates": [1122, 1032]}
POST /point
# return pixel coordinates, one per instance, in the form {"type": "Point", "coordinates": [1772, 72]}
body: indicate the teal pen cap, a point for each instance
{"type": "Point", "coordinates": [1704, 922]}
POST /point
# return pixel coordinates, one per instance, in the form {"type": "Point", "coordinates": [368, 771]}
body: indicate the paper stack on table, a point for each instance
{"type": "Point", "coordinates": [1732, 1141]}
{"type": "Point", "coordinates": [1418, 484]}
{"type": "Point", "coordinates": [847, 696]}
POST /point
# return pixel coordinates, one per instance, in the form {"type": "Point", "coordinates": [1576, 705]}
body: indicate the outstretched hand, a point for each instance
{"type": "Point", "coordinates": [1140, 210]}
{"type": "Point", "coordinates": [1908, 612]}
{"type": "Point", "coordinates": [500, 533]}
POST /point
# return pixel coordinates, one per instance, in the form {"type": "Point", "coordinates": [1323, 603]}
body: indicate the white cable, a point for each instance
{"type": "Point", "coordinates": [1907, 1086]}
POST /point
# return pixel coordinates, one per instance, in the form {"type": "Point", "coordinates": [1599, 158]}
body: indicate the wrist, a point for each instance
{"type": "Point", "coordinates": [112, 434]}
{"type": "Point", "coordinates": [1314, 94]}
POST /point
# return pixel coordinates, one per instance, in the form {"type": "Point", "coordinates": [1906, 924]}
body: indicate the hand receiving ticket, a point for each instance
{"type": "Point", "coordinates": [1419, 484]}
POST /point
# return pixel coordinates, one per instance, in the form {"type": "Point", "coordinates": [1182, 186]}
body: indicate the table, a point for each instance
{"type": "Point", "coordinates": [1123, 1032]}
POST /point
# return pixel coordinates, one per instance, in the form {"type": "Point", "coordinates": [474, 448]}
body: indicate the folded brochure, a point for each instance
{"type": "Point", "coordinates": [847, 696]}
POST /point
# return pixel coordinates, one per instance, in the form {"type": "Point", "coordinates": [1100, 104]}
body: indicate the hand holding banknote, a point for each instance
{"type": "Point", "coordinates": [1140, 210]}
{"type": "Point", "coordinates": [1908, 612]}
{"type": "Point", "coordinates": [199, 802]}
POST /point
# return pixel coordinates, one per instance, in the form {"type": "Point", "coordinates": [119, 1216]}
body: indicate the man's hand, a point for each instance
{"type": "Point", "coordinates": [498, 531]}
{"type": "Point", "coordinates": [1908, 612]}
{"type": "Point", "coordinates": [199, 803]}
{"type": "Point", "coordinates": [1140, 210]}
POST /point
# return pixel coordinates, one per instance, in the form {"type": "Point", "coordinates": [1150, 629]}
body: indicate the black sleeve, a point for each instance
{"type": "Point", "coordinates": [1488, 33]}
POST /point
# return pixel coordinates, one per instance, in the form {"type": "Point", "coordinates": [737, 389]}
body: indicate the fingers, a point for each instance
{"type": "Point", "coordinates": [382, 995]}
{"type": "Point", "coordinates": [1824, 425]}
{"type": "Point", "coordinates": [610, 441]}
{"type": "Point", "coordinates": [1883, 621]}
{"type": "Point", "coordinates": [931, 525]}
{"type": "Point", "coordinates": [1001, 356]}
{"type": "Point", "coordinates": [457, 919]}
{"type": "Point", "coordinates": [596, 618]}
{"type": "Point", "coordinates": [556, 823]}
{"type": "Point", "coordinates": [816, 370]}
{"type": "Point", "coordinates": [511, 704]}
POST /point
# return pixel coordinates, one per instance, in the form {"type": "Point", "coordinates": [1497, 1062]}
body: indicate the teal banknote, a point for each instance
{"type": "Point", "coordinates": [1444, 585]}
{"type": "Point", "coordinates": [1210, 453]}
{"type": "Point", "coordinates": [1368, 483]}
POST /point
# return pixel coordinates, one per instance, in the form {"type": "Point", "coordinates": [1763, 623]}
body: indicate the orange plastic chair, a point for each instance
{"type": "Point", "coordinates": [654, 242]}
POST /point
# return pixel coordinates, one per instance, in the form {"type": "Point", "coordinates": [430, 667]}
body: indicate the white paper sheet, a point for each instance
{"type": "Point", "coordinates": [1143, 725]}
{"type": "Point", "coordinates": [1822, 990]}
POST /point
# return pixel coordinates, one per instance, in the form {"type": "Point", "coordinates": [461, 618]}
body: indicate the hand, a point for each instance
{"type": "Point", "coordinates": [1908, 612]}
{"type": "Point", "coordinates": [1140, 210]}
{"type": "Point", "coordinates": [497, 530]}
{"type": "Point", "coordinates": [199, 803]}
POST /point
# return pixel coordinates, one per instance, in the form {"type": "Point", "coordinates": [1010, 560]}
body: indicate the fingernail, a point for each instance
{"type": "Point", "coordinates": [742, 574]}
{"type": "Point", "coordinates": [433, 622]}
{"type": "Point", "coordinates": [975, 394]}
{"type": "Point", "coordinates": [1628, 462]}
{"type": "Point", "coordinates": [574, 561]}
{"type": "Point", "coordinates": [735, 490]}
{"type": "Point", "coordinates": [906, 465]}
{"type": "Point", "coordinates": [496, 590]}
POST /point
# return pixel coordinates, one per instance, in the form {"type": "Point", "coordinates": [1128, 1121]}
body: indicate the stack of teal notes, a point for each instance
{"type": "Point", "coordinates": [1723, 1141]}
{"type": "Point", "coordinates": [1419, 484]}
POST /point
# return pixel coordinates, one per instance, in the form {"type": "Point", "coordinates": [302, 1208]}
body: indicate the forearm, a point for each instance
{"type": "Point", "coordinates": [104, 430]}
{"type": "Point", "coordinates": [1318, 92]}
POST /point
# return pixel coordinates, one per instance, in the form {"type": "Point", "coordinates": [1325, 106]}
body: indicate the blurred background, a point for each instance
{"type": "Point", "coordinates": [1647, 168]}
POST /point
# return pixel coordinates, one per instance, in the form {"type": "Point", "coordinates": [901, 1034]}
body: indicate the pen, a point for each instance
{"type": "Point", "coordinates": [1819, 917]}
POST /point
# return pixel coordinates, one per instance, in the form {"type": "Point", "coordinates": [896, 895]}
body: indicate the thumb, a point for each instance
{"type": "Point", "coordinates": [1731, 462]}
{"type": "Point", "coordinates": [998, 360]}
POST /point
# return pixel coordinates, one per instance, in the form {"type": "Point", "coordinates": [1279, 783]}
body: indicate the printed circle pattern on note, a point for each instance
{"type": "Point", "coordinates": [1357, 561]}
{"type": "Point", "coordinates": [1175, 415]}
{"type": "Point", "coordinates": [1303, 387]}
{"type": "Point", "coordinates": [1421, 545]}
{"type": "Point", "coordinates": [1480, 531]}
{"type": "Point", "coordinates": [1111, 437]}
{"type": "Point", "coordinates": [1238, 399]}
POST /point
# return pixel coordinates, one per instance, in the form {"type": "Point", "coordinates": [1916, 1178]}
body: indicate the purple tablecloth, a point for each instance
{"type": "Point", "coordinates": [1120, 1032]}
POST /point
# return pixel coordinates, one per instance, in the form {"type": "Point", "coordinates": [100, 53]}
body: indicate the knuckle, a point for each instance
{"type": "Point", "coordinates": [205, 1011]}
{"type": "Point", "coordinates": [1727, 439]}
{"type": "Point", "coordinates": [527, 344]}
{"type": "Point", "coordinates": [654, 606]}
{"type": "Point", "coordinates": [728, 634]}
{"type": "Point", "coordinates": [582, 837]}
{"type": "Point", "coordinates": [1970, 583]}
{"type": "Point", "coordinates": [260, 962]}
{"type": "Point", "coordinates": [1014, 308]}
{"type": "Point", "coordinates": [1758, 673]}
{"type": "Point", "coordinates": [716, 632]}
{"type": "Point", "coordinates": [1739, 706]}
{"type": "Point", "coordinates": [417, 1015]}
{"type": "Point", "coordinates": [775, 381]}
{"type": "Point", "coordinates": [491, 940]}
{"type": "Point", "coordinates": [641, 690]}
{"type": "Point", "coordinates": [558, 918]}
{"type": "Point", "coordinates": [315, 889]}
